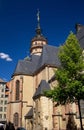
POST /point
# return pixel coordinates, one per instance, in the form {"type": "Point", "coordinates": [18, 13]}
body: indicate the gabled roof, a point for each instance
{"type": "Point", "coordinates": [29, 115]}
{"type": "Point", "coordinates": [49, 56]}
{"type": "Point", "coordinates": [43, 86]}
{"type": "Point", "coordinates": [26, 67]}
{"type": "Point", "coordinates": [80, 36]}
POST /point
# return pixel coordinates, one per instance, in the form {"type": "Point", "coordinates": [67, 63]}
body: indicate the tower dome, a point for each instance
{"type": "Point", "coordinates": [38, 40]}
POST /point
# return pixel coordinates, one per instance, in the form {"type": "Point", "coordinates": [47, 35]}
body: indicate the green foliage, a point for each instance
{"type": "Point", "coordinates": [70, 55]}
{"type": "Point", "coordinates": [69, 76]}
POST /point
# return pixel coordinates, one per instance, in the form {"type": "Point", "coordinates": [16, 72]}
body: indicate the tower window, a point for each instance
{"type": "Point", "coordinates": [41, 43]}
{"type": "Point", "coordinates": [17, 89]}
{"type": "Point", "coordinates": [35, 43]}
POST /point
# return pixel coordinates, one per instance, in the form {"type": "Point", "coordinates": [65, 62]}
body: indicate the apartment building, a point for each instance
{"type": "Point", "coordinates": [3, 101]}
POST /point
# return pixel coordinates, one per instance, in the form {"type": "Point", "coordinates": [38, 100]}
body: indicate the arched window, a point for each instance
{"type": "Point", "coordinates": [16, 119]}
{"type": "Point", "coordinates": [17, 89]}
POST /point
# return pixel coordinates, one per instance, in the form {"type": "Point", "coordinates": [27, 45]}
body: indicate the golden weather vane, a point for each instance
{"type": "Point", "coordinates": [38, 17]}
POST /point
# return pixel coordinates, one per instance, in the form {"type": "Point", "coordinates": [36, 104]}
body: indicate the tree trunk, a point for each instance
{"type": "Point", "coordinates": [80, 117]}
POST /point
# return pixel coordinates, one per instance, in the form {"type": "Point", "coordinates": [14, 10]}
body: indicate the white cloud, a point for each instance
{"type": "Point", "coordinates": [5, 56]}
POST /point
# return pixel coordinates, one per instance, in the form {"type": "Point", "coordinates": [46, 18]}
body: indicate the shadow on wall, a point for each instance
{"type": "Point", "coordinates": [71, 125]}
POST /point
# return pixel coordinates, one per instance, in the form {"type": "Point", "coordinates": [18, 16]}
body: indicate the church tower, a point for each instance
{"type": "Point", "coordinates": [39, 40]}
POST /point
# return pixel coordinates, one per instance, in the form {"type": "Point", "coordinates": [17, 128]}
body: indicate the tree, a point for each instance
{"type": "Point", "coordinates": [70, 75]}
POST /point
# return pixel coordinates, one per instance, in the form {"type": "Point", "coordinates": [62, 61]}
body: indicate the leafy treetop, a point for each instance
{"type": "Point", "coordinates": [70, 75]}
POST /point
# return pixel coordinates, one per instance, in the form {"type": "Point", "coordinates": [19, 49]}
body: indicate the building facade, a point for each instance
{"type": "Point", "coordinates": [3, 101]}
{"type": "Point", "coordinates": [27, 105]}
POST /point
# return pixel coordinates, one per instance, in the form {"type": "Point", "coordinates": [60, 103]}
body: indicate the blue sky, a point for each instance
{"type": "Point", "coordinates": [18, 22]}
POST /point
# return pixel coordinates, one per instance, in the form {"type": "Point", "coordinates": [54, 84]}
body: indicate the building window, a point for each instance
{"type": "Point", "coordinates": [16, 119]}
{"type": "Point", "coordinates": [41, 43]}
{"type": "Point", "coordinates": [1, 102]}
{"type": "Point", "coordinates": [2, 90]}
{"type": "Point", "coordinates": [4, 109]}
{"type": "Point", "coordinates": [17, 89]}
{"type": "Point", "coordinates": [2, 95]}
{"type": "Point", "coordinates": [4, 116]}
{"type": "Point", "coordinates": [0, 116]}
{"type": "Point", "coordinates": [1, 108]}
{"type": "Point", "coordinates": [5, 102]}
{"type": "Point", "coordinates": [35, 43]}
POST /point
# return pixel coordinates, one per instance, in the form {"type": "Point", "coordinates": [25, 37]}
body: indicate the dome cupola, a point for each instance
{"type": "Point", "coordinates": [38, 40]}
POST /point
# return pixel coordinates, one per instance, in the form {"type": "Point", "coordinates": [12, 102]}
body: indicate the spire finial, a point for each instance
{"type": "Point", "coordinates": [38, 18]}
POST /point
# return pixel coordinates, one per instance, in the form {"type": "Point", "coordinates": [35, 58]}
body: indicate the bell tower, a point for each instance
{"type": "Point", "coordinates": [39, 40]}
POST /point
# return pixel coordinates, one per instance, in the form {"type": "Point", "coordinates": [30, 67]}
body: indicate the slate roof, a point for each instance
{"type": "Point", "coordinates": [80, 36]}
{"type": "Point", "coordinates": [26, 66]}
{"type": "Point", "coordinates": [41, 88]}
{"type": "Point", "coordinates": [49, 56]}
{"type": "Point", "coordinates": [29, 115]}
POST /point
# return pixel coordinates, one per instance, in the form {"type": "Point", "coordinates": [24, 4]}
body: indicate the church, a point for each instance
{"type": "Point", "coordinates": [27, 105]}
